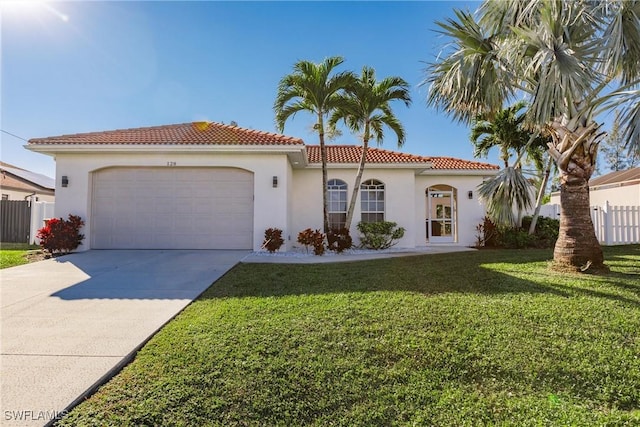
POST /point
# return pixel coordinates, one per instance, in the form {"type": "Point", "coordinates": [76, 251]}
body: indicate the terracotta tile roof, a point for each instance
{"type": "Point", "coordinates": [351, 154]}
{"type": "Point", "coordinates": [197, 133]}
{"type": "Point", "coordinates": [440, 162]}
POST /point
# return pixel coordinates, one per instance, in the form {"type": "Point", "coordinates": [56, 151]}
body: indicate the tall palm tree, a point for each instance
{"type": "Point", "coordinates": [572, 60]}
{"type": "Point", "coordinates": [506, 130]}
{"type": "Point", "coordinates": [366, 110]}
{"type": "Point", "coordinates": [311, 87]}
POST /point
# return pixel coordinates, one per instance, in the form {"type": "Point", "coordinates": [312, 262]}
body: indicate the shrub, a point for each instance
{"type": "Point", "coordinates": [379, 235]}
{"type": "Point", "coordinates": [339, 240]}
{"type": "Point", "coordinates": [545, 236]}
{"type": "Point", "coordinates": [546, 232]}
{"type": "Point", "coordinates": [61, 236]}
{"type": "Point", "coordinates": [313, 238]}
{"type": "Point", "coordinates": [487, 233]}
{"type": "Point", "coordinates": [272, 239]}
{"type": "Point", "coordinates": [514, 238]}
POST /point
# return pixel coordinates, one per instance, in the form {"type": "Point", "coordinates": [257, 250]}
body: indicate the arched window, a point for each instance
{"type": "Point", "coordinates": [337, 203]}
{"type": "Point", "coordinates": [372, 201]}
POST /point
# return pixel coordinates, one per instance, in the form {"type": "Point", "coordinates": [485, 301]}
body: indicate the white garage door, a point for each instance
{"type": "Point", "coordinates": [172, 208]}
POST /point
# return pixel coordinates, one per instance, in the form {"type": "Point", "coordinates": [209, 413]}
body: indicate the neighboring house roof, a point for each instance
{"type": "Point", "coordinates": [22, 179]}
{"type": "Point", "coordinates": [617, 177]}
{"type": "Point", "coordinates": [198, 133]}
{"type": "Point", "coordinates": [352, 153]}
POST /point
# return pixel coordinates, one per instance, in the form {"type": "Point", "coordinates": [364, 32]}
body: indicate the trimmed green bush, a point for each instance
{"type": "Point", "coordinates": [546, 232]}
{"type": "Point", "coordinates": [514, 238]}
{"type": "Point", "coordinates": [491, 236]}
{"type": "Point", "coordinates": [379, 235]}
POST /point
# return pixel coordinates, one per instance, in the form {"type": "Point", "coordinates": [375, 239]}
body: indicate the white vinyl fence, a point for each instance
{"type": "Point", "coordinates": [39, 212]}
{"type": "Point", "coordinates": [614, 225]}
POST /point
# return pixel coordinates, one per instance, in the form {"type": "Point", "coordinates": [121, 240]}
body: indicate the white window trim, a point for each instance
{"type": "Point", "coordinates": [372, 186]}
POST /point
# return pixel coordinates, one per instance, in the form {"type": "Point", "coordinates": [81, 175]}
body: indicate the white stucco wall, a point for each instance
{"type": "Point", "coordinates": [23, 195]}
{"type": "Point", "coordinates": [295, 204]}
{"type": "Point", "coordinates": [399, 200]}
{"type": "Point", "coordinates": [616, 196]}
{"type": "Point", "coordinates": [470, 212]}
{"type": "Point", "coordinates": [270, 207]}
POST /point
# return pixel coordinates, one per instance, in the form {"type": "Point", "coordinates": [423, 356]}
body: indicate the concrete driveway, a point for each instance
{"type": "Point", "coordinates": [67, 322]}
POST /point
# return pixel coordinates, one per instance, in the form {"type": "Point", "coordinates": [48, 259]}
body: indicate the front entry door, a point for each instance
{"type": "Point", "coordinates": [441, 216]}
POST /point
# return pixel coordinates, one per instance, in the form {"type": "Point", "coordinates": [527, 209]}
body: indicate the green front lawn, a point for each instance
{"type": "Point", "coordinates": [12, 254]}
{"type": "Point", "coordinates": [477, 338]}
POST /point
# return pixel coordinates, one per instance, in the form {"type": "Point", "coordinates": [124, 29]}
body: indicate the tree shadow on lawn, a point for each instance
{"type": "Point", "coordinates": [479, 273]}
{"type": "Point", "coordinates": [428, 274]}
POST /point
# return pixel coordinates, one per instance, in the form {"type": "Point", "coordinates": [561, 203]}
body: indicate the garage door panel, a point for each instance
{"type": "Point", "coordinates": [172, 208]}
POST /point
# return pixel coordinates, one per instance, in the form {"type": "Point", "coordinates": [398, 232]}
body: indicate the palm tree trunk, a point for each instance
{"type": "Point", "coordinates": [325, 179]}
{"type": "Point", "coordinates": [577, 244]}
{"type": "Point", "coordinates": [356, 185]}
{"type": "Point", "coordinates": [574, 149]}
{"type": "Point", "coordinates": [541, 191]}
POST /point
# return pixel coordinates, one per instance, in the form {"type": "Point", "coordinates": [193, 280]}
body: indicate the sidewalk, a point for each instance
{"type": "Point", "coordinates": [351, 255]}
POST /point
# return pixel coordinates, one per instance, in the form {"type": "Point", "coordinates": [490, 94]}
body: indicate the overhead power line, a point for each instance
{"type": "Point", "coordinates": [13, 135]}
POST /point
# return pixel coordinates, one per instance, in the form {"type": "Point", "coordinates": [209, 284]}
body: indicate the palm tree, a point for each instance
{"type": "Point", "coordinates": [506, 130]}
{"type": "Point", "coordinates": [366, 110]}
{"type": "Point", "coordinates": [572, 60]}
{"type": "Point", "coordinates": [313, 89]}
{"type": "Point", "coordinates": [503, 130]}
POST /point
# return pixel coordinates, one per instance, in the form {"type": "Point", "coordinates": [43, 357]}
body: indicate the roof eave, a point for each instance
{"type": "Point", "coordinates": [461, 172]}
{"type": "Point", "coordinates": [296, 153]}
{"type": "Point", "coordinates": [413, 166]}
{"type": "Point", "coordinates": [129, 148]}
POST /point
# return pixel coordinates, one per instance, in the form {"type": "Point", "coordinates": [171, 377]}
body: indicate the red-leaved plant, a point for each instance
{"type": "Point", "coordinates": [61, 236]}
{"type": "Point", "coordinates": [339, 240]}
{"type": "Point", "coordinates": [313, 238]}
{"type": "Point", "coordinates": [272, 239]}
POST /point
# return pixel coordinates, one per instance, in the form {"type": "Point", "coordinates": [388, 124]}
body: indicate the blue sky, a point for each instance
{"type": "Point", "coordinates": [113, 65]}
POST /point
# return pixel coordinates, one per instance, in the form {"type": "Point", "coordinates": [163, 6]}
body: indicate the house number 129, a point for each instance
{"type": "Point", "coordinates": [171, 163]}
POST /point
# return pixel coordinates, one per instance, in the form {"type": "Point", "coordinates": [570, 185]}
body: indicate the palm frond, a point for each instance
{"type": "Point", "coordinates": [500, 16]}
{"type": "Point", "coordinates": [471, 80]}
{"type": "Point", "coordinates": [561, 62]}
{"type": "Point", "coordinates": [290, 110]}
{"type": "Point", "coordinates": [310, 87]}
{"type": "Point", "coordinates": [366, 105]}
{"type": "Point", "coordinates": [621, 36]}
{"type": "Point", "coordinates": [630, 123]}
{"type": "Point", "coordinates": [505, 192]}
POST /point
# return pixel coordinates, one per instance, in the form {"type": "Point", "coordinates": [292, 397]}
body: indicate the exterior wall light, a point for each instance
{"type": "Point", "coordinates": [470, 195]}
{"type": "Point", "coordinates": [65, 181]}
{"type": "Point", "coordinates": [275, 182]}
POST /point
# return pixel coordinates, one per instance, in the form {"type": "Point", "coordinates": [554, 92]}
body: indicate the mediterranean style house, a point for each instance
{"type": "Point", "coordinates": [207, 185]}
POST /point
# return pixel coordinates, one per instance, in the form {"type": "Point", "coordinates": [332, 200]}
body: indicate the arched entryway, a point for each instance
{"type": "Point", "coordinates": [441, 214]}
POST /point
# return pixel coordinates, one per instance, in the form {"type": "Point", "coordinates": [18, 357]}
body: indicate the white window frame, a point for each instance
{"type": "Point", "coordinates": [337, 201]}
{"type": "Point", "coordinates": [372, 206]}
